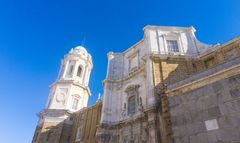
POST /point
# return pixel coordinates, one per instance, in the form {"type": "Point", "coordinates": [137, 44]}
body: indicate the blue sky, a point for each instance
{"type": "Point", "coordinates": [35, 35]}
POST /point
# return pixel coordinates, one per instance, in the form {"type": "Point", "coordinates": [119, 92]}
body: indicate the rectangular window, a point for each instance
{"type": "Point", "coordinates": [79, 72]}
{"type": "Point", "coordinates": [172, 46]}
{"type": "Point", "coordinates": [131, 105]}
{"type": "Point", "coordinates": [70, 70]}
{"type": "Point", "coordinates": [75, 104]}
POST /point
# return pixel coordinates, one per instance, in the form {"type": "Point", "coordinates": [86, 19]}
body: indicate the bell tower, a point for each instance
{"type": "Point", "coordinates": [68, 94]}
{"type": "Point", "coordinates": [70, 91]}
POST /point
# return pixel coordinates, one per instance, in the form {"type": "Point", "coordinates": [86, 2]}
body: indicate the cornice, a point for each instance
{"type": "Point", "coordinates": [155, 27]}
{"type": "Point", "coordinates": [130, 48]}
{"type": "Point", "coordinates": [156, 55]}
{"type": "Point", "coordinates": [71, 82]}
{"type": "Point", "coordinates": [220, 46]}
{"type": "Point", "coordinates": [216, 74]}
{"type": "Point", "coordinates": [127, 77]}
{"type": "Point", "coordinates": [57, 112]}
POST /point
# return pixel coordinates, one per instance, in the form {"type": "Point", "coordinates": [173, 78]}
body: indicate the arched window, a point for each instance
{"type": "Point", "coordinates": [79, 71]}
{"type": "Point", "coordinates": [75, 103]}
{"type": "Point", "coordinates": [70, 70]}
{"type": "Point", "coordinates": [131, 105]}
{"type": "Point", "coordinates": [172, 46]}
{"type": "Point", "coordinates": [132, 100]}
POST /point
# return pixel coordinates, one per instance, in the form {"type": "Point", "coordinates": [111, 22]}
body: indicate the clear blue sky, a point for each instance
{"type": "Point", "coordinates": [35, 35]}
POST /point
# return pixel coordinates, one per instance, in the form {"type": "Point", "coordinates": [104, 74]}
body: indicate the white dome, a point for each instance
{"type": "Point", "coordinates": [81, 48]}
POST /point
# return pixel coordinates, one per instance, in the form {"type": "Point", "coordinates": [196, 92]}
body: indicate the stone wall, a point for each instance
{"type": "Point", "coordinates": [197, 90]}
{"type": "Point", "coordinates": [87, 120]}
{"type": "Point", "coordinates": [200, 92]}
{"type": "Point", "coordinates": [174, 69]}
{"type": "Point", "coordinates": [171, 70]}
{"type": "Point", "coordinates": [208, 114]}
{"type": "Point", "coordinates": [219, 54]}
{"type": "Point", "coordinates": [48, 132]}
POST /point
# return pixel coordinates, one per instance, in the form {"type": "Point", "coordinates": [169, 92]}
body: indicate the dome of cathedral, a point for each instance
{"type": "Point", "coordinates": [79, 50]}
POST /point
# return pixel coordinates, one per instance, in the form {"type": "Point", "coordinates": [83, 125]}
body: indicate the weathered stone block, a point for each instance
{"type": "Point", "coordinates": [176, 131]}
{"type": "Point", "coordinates": [202, 138]}
{"type": "Point", "coordinates": [198, 127]}
{"type": "Point", "coordinates": [235, 93]}
{"type": "Point", "coordinates": [193, 139]}
{"type": "Point", "coordinates": [183, 139]}
{"type": "Point", "coordinates": [213, 99]}
{"type": "Point", "coordinates": [224, 122]}
{"type": "Point", "coordinates": [229, 134]}
{"type": "Point", "coordinates": [214, 136]}
{"type": "Point", "coordinates": [214, 112]}
{"type": "Point", "coordinates": [234, 80]}
{"type": "Point", "coordinates": [223, 109]}
{"type": "Point", "coordinates": [223, 96]}
{"type": "Point", "coordinates": [217, 87]}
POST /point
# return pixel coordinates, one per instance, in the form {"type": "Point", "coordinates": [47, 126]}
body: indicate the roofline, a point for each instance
{"type": "Point", "coordinates": [169, 27]}
{"type": "Point", "coordinates": [220, 46]}
{"type": "Point", "coordinates": [125, 51]}
{"type": "Point", "coordinates": [153, 27]}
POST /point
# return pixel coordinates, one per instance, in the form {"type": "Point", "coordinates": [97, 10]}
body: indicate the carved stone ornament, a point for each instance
{"type": "Point", "coordinates": [60, 97]}
{"type": "Point", "coordinates": [123, 112]}
{"type": "Point", "coordinates": [151, 124]}
{"type": "Point", "coordinates": [132, 88]}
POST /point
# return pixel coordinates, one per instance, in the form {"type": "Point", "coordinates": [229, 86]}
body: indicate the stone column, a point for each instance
{"type": "Point", "coordinates": [152, 135]}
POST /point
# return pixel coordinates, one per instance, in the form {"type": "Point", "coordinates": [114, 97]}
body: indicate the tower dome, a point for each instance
{"type": "Point", "coordinates": [79, 50]}
{"type": "Point", "coordinates": [71, 91]}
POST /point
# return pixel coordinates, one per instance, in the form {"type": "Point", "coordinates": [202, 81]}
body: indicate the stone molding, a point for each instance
{"type": "Point", "coordinates": [129, 76]}
{"type": "Point", "coordinates": [206, 77]}
{"type": "Point", "coordinates": [72, 82]}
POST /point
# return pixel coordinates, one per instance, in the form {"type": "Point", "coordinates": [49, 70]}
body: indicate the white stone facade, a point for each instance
{"type": "Point", "coordinates": [147, 91]}
{"type": "Point", "coordinates": [134, 67]}
{"type": "Point", "coordinates": [185, 37]}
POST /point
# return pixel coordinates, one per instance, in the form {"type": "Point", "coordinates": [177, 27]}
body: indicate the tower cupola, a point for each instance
{"type": "Point", "coordinates": [71, 91]}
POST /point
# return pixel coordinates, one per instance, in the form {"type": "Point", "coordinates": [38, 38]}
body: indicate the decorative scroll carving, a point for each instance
{"type": "Point", "coordinates": [132, 88]}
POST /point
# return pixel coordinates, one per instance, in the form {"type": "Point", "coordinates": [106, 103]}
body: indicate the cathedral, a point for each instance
{"type": "Point", "coordinates": [167, 88]}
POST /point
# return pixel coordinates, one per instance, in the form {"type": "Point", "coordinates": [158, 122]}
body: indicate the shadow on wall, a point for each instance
{"type": "Point", "coordinates": [173, 70]}
{"type": "Point", "coordinates": [80, 126]}
{"type": "Point", "coordinates": [167, 72]}
{"type": "Point", "coordinates": [53, 133]}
